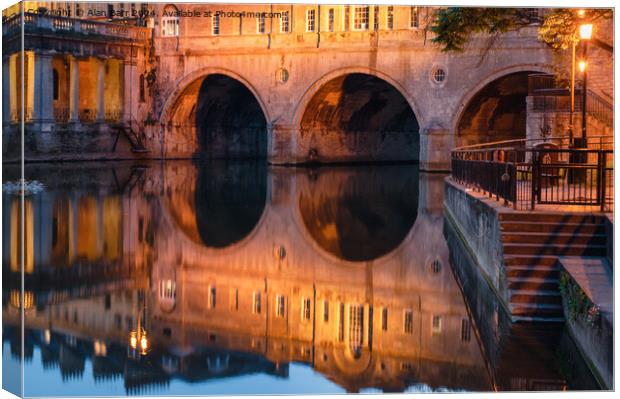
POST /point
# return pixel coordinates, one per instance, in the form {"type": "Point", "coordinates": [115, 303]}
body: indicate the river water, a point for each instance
{"type": "Point", "coordinates": [180, 278]}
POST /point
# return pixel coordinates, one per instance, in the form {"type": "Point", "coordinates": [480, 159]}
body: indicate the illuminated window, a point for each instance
{"type": "Point", "coordinates": [215, 24]}
{"type": "Point", "coordinates": [310, 20]}
{"type": "Point", "coordinates": [256, 303]}
{"type": "Point", "coordinates": [170, 22]}
{"type": "Point", "coordinates": [356, 328]}
{"type": "Point", "coordinates": [330, 20]}
{"type": "Point", "coordinates": [305, 308]}
{"type": "Point", "coordinates": [436, 325]}
{"type": "Point", "coordinates": [360, 18]}
{"type": "Point", "coordinates": [167, 289]}
{"type": "Point", "coordinates": [384, 319]}
{"type": "Point", "coordinates": [260, 23]}
{"type": "Point", "coordinates": [341, 323]}
{"type": "Point", "coordinates": [414, 19]}
{"type": "Point", "coordinates": [465, 330]}
{"type": "Point", "coordinates": [284, 23]}
{"type": "Point", "coordinates": [408, 322]}
{"type": "Point", "coordinates": [280, 306]}
{"type": "Point", "coordinates": [376, 18]}
{"type": "Point", "coordinates": [390, 17]}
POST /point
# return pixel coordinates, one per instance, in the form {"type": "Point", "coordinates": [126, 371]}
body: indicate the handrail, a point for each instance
{"type": "Point", "coordinates": [526, 177]}
{"type": "Point", "coordinates": [538, 140]}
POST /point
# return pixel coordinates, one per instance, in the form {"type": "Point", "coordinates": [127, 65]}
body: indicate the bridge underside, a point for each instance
{"type": "Point", "coordinates": [497, 112]}
{"type": "Point", "coordinates": [230, 122]}
{"type": "Point", "coordinates": [358, 117]}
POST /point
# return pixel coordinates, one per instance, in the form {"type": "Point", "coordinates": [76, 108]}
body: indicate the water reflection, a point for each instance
{"type": "Point", "coordinates": [165, 278]}
{"type": "Point", "coordinates": [360, 214]}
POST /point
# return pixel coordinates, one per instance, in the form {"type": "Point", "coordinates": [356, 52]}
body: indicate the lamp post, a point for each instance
{"type": "Point", "coordinates": [585, 33]}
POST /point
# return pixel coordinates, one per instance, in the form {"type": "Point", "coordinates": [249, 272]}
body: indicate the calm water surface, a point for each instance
{"type": "Point", "coordinates": [237, 278]}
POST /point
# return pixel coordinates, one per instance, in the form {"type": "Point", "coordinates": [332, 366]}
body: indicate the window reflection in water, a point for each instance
{"type": "Point", "coordinates": [201, 273]}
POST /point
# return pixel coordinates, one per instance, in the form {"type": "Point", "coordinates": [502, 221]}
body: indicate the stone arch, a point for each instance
{"type": "Point", "coordinates": [178, 113]}
{"type": "Point", "coordinates": [370, 96]}
{"type": "Point", "coordinates": [316, 86]}
{"type": "Point", "coordinates": [493, 78]}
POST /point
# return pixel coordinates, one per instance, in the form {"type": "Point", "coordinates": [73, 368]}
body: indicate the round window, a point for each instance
{"type": "Point", "coordinates": [436, 266]}
{"type": "Point", "coordinates": [439, 75]}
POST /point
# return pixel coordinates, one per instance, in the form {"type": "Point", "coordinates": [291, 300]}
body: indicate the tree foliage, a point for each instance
{"type": "Point", "coordinates": [454, 26]}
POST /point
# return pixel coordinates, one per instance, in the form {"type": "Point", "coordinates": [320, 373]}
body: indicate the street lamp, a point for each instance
{"type": "Point", "coordinates": [585, 33]}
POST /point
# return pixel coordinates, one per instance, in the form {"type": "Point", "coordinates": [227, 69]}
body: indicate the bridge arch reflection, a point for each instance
{"type": "Point", "coordinates": [362, 214]}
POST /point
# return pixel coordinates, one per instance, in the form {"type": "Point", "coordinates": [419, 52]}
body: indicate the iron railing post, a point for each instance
{"type": "Point", "coordinates": [534, 185]}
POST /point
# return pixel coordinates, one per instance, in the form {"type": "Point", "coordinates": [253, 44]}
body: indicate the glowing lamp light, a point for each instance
{"type": "Point", "coordinates": [144, 343]}
{"type": "Point", "coordinates": [582, 66]}
{"type": "Point", "coordinates": [133, 340]}
{"type": "Point", "coordinates": [585, 31]}
{"type": "Point", "coordinates": [581, 13]}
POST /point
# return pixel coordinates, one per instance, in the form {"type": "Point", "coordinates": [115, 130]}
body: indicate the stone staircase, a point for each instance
{"type": "Point", "coordinates": [527, 358]}
{"type": "Point", "coordinates": [135, 139]}
{"type": "Point", "coordinates": [532, 244]}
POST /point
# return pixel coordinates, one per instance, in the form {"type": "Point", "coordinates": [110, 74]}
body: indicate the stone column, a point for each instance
{"type": "Point", "coordinates": [129, 89]}
{"type": "Point", "coordinates": [6, 90]}
{"type": "Point", "coordinates": [30, 84]}
{"type": "Point", "coordinates": [281, 143]}
{"type": "Point", "coordinates": [74, 90]}
{"type": "Point", "coordinates": [100, 89]}
{"type": "Point", "coordinates": [435, 146]}
{"type": "Point", "coordinates": [13, 89]}
{"type": "Point", "coordinates": [43, 93]}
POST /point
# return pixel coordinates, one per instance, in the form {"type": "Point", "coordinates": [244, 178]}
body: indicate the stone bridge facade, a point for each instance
{"type": "Point", "coordinates": [301, 76]}
{"type": "Point", "coordinates": [299, 84]}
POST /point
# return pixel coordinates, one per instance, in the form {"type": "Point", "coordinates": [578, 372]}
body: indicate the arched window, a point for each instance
{"type": "Point", "coordinates": [170, 21]}
{"type": "Point", "coordinates": [55, 83]}
{"type": "Point", "coordinates": [141, 88]}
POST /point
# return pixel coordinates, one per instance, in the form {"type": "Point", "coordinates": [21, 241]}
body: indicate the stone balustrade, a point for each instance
{"type": "Point", "coordinates": [57, 24]}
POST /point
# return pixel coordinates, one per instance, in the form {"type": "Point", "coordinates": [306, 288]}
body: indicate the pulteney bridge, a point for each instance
{"type": "Point", "coordinates": [312, 83]}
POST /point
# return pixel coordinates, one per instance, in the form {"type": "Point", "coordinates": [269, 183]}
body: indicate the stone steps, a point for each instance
{"type": "Point", "coordinates": [532, 243]}
{"type": "Point", "coordinates": [564, 218]}
{"type": "Point", "coordinates": [557, 250]}
{"type": "Point", "coordinates": [564, 228]}
{"type": "Point", "coordinates": [527, 282]}
{"type": "Point", "coordinates": [538, 311]}
{"type": "Point", "coordinates": [554, 239]}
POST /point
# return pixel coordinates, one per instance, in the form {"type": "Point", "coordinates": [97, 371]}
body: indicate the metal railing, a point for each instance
{"type": "Point", "coordinates": [525, 175]}
{"type": "Point", "coordinates": [548, 96]}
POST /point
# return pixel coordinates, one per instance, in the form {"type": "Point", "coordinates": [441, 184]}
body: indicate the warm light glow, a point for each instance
{"type": "Point", "coordinates": [47, 336]}
{"type": "Point", "coordinates": [581, 13]}
{"type": "Point", "coordinates": [100, 348]}
{"type": "Point", "coordinates": [582, 66]}
{"type": "Point", "coordinates": [144, 344]}
{"type": "Point", "coordinates": [585, 31]}
{"type": "Point", "coordinates": [133, 340]}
